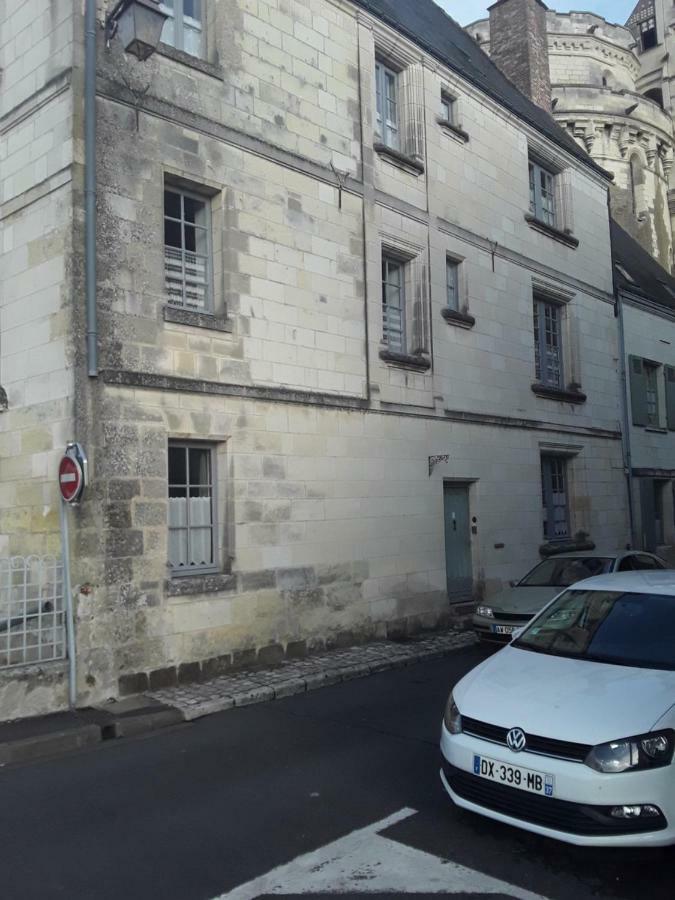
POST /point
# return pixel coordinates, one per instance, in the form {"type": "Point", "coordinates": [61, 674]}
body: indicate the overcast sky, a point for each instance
{"type": "Point", "coordinates": [466, 11]}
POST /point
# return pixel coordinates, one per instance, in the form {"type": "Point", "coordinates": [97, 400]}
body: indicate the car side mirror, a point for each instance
{"type": "Point", "coordinates": [512, 583]}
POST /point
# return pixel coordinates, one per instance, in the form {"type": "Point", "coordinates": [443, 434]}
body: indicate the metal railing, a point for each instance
{"type": "Point", "coordinates": [32, 619]}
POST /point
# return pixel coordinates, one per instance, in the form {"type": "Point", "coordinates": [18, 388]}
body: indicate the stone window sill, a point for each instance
{"type": "Point", "coordinates": [196, 319]}
{"type": "Point", "coordinates": [656, 429]}
{"type": "Point", "coordinates": [406, 361]}
{"type": "Point", "coordinates": [407, 163]}
{"type": "Point", "coordinates": [561, 236]}
{"type": "Point", "coordinates": [453, 130]}
{"type": "Point", "coordinates": [455, 317]}
{"type": "Point", "coordinates": [554, 393]}
{"type": "Point", "coordinates": [186, 584]}
{"type": "Point", "coordinates": [194, 62]}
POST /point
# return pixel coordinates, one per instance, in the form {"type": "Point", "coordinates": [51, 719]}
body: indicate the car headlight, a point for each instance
{"type": "Point", "coordinates": [486, 611]}
{"type": "Point", "coordinates": [452, 718]}
{"type": "Point", "coordinates": [648, 751]}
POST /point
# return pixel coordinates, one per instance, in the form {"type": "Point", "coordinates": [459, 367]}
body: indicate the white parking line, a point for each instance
{"type": "Point", "coordinates": [364, 862]}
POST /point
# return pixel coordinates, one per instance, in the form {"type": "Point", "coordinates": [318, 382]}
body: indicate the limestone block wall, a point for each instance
{"type": "Point", "coordinates": [36, 155]}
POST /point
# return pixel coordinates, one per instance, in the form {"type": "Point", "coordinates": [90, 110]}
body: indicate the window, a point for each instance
{"type": "Point", "coordinates": [184, 29]}
{"type": "Point", "coordinates": [554, 498]}
{"type": "Point", "coordinates": [387, 88]}
{"type": "Point", "coordinates": [634, 178]}
{"type": "Point", "coordinates": [452, 274]}
{"type": "Point", "coordinates": [187, 250]}
{"type": "Point", "coordinates": [448, 108]}
{"type": "Point", "coordinates": [652, 384]}
{"type": "Point", "coordinates": [542, 194]}
{"type": "Point", "coordinates": [393, 303]}
{"type": "Point", "coordinates": [548, 343]}
{"type": "Point", "coordinates": [648, 35]}
{"type": "Point", "coordinates": [192, 526]}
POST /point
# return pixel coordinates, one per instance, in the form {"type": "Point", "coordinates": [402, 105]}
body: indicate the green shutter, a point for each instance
{"type": "Point", "coordinates": [638, 390]}
{"type": "Point", "coordinates": [670, 397]}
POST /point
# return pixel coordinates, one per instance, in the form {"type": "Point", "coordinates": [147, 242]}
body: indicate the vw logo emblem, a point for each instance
{"type": "Point", "coordinates": [516, 740]}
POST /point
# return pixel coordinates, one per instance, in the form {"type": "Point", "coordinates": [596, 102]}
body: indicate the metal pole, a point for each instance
{"type": "Point", "coordinates": [90, 183]}
{"type": "Point", "coordinates": [70, 622]}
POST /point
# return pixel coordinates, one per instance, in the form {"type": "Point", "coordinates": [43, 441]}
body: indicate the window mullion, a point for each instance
{"type": "Point", "coordinates": [543, 353]}
{"type": "Point", "coordinates": [178, 8]}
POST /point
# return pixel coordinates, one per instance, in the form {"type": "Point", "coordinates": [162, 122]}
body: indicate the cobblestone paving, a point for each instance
{"type": "Point", "coordinates": [295, 677]}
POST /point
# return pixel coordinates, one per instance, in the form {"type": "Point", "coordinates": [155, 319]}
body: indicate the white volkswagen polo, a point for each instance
{"type": "Point", "coordinates": [569, 731]}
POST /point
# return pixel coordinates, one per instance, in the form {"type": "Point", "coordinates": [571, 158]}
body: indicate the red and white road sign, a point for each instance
{"type": "Point", "coordinates": [71, 477]}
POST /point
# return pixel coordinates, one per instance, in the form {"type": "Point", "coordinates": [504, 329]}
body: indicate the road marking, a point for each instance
{"type": "Point", "coordinates": [364, 862]}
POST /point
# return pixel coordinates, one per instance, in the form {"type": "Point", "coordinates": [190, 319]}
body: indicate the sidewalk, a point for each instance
{"type": "Point", "coordinates": [28, 740]}
{"type": "Point", "coordinates": [296, 677]}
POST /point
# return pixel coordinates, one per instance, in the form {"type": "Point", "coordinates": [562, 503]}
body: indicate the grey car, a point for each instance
{"type": "Point", "coordinates": [497, 619]}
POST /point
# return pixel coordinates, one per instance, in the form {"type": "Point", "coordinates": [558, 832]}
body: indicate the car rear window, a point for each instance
{"type": "Point", "coordinates": [562, 571]}
{"type": "Point", "coordinates": [606, 626]}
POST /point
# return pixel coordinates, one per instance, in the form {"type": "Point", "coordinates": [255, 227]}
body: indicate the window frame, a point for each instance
{"type": "Point", "coordinates": [541, 351]}
{"type": "Point", "coordinates": [209, 298]}
{"type": "Point", "coordinates": [176, 12]}
{"type": "Point", "coordinates": [546, 215]}
{"type": "Point", "coordinates": [449, 105]}
{"type": "Point", "coordinates": [201, 569]}
{"type": "Point", "coordinates": [389, 131]}
{"type": "Point", "coordinates": [452, 265]}
{"type": "Point", "coordinates": [547, 495]}
{"type": "Point", "coordinates": [391, 258]}
{"type": "Point", "coordinates": [651, 370]}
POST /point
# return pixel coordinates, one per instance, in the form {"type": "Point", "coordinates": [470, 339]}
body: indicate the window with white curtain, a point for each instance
{"type": "Point", "coordinates": [388, 107]}
{"type": "Point", "coordinates": [184, 29]}
{"type": "Point", "coordinates": [192, 519]}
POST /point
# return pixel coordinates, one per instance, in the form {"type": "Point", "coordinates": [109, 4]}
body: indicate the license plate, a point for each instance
{"type": "Point", "coordinates": [514, 776]}
{"type": "Point", "coordinates": [503, 629]}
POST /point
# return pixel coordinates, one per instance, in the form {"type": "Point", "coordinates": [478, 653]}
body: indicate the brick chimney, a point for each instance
{"type": "Point", "coordinates": [519, 46]}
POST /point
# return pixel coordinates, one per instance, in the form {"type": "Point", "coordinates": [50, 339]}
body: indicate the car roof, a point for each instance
{"type": "Point", "coordinates": [594, 554]}
{"type": "Point", "coordinates": [647, 581]}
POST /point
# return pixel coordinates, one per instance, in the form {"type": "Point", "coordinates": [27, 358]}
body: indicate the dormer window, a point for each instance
{"type": "Point", "coordinates": [648, 35]}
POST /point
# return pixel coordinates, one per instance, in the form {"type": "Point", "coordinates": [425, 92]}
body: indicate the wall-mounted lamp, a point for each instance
{"type": "Point", "coordinates": [138, 25]}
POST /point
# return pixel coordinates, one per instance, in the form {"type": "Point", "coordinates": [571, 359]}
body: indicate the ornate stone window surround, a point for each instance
{"type": "Point", "coordinates": [415, 352]}
{"type": "Point", "coordinates": [570, 390]}
{"type": "Point", "coordinates": [393, 52]}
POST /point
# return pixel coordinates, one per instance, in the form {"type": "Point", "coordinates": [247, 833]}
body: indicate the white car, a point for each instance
{"type": "Point", "coordinates": [569, 731]}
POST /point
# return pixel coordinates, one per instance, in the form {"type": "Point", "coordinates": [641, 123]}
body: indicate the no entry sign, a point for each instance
{"type": "Point", "coordinates": [72, 473]}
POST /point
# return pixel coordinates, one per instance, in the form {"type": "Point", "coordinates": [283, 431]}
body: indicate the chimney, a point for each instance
{"type": "Point", "coordinates": [519, 46]}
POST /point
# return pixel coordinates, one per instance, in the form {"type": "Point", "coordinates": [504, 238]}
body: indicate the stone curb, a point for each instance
{"type": "Point", "coordinates": [313, 673]}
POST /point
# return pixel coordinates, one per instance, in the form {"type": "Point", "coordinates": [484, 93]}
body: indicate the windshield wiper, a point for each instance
{"type": "Point", "coordinates": [547, 651]}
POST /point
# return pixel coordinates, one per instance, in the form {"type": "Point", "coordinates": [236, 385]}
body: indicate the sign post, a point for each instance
{"type": "Point", "coordinates": [72, 483]}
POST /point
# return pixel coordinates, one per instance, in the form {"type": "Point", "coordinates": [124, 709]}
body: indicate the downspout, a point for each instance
{"type": "Point", "coordinates": [90, 184]}
{"type": "Point", "coordinates": [625, 424]}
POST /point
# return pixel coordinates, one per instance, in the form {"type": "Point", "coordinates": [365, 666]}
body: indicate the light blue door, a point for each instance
{"type": "Point", "coordinates": [458, 567]}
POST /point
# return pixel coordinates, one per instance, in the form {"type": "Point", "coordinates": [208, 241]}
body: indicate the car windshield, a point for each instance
{"type": "Point", "coordinates": [562, 571]}
{"type": "Point", "coordinates": [606, 626]}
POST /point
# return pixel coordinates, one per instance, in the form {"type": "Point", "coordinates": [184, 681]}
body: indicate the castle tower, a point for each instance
{"type": "Point", "coordinates": [611, 89]}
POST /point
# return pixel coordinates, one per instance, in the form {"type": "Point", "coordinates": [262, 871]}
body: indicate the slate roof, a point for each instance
{"type": "Point", "coordinates": [431, 28]}
{"type": "Point", "coordinates": [649, 279]}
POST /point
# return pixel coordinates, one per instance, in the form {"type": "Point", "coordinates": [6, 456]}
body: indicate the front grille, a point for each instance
{"type": "Point", "coordinates": [511, 617]}
{"type": "Point", "coordinates": [548, 812]}
{"type": "Point", "coordinates": [535, 744]}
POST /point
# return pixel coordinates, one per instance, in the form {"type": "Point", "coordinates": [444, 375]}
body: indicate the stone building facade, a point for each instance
{"type": "Point", "coordinates": [608, 91]}
{"type": "Point", "coordinates": [340, 341]}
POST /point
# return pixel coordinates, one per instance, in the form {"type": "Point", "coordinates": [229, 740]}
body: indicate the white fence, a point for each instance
{"type": "Point", "coordinates": [32, 620]}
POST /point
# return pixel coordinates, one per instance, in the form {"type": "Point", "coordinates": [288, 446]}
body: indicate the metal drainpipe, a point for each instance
{"type": "Point", "coordinates": [625, 425]}
{"type": "Point", "coordinates": [90, 184]}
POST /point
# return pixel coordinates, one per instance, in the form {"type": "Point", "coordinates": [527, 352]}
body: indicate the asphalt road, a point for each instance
{"type": "Point", "coordinates": [348, 774]}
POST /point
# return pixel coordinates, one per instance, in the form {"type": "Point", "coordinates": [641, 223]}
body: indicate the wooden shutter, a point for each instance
{"type": "Point", "coordinates": [638, 390]}
{"type": "Point", "coordinates": [670, 397]}
{"type": "Point", "coordinates": [420, 308]}
{"type": "Point", "coordinates": [412, 111]}
{"type": "Point", "coordinates": [564, 208]}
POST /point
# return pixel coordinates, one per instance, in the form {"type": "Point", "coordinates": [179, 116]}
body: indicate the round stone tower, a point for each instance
{"type": "Point", "coordinates": [600, 96]}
